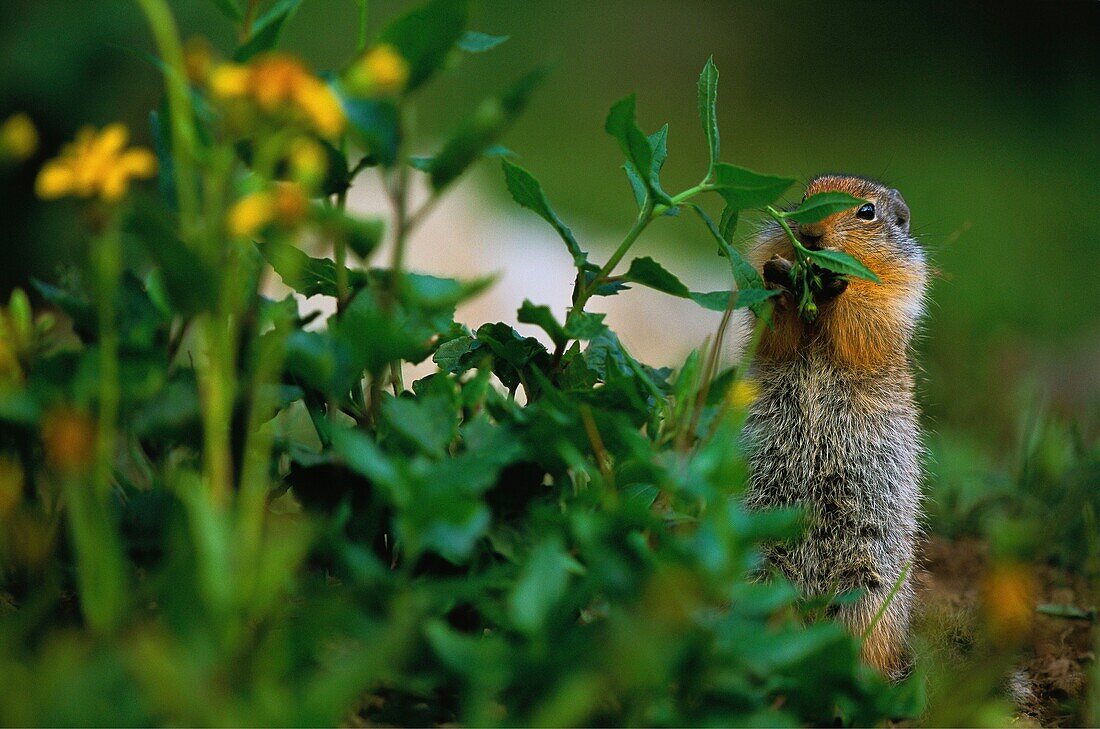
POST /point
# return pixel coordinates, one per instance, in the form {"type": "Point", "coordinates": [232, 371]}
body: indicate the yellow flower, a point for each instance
{"type": "Point", "coordinates": [18, 137]}
{"type": "Point", "coordinates": [308, 162]}
{"type": "Point", "coordinates": [229, 81]}
{"type": "Point", "coordinates": [279, 83]}
{"type": "Point", "coordinates": [251, 214]}
{"type": "Point", "coordinates": [744, 392]}
{"type": "Point", "coordinates": [381, 71]}
{"type": "Point", "coordinates": [95, 164]}
{"type": "Point", "coordinates": [286, 204]}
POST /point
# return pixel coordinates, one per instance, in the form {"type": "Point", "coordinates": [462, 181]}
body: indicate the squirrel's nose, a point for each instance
{"type": "Point", "coordinates": [810, 237]}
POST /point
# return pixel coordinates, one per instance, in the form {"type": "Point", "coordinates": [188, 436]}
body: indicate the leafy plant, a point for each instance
{"type": "Point", "coordinates": [216, 511]}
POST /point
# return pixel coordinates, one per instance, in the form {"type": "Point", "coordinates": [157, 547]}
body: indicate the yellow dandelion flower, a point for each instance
{"type": "Point", "coordinates": [18, 137]}
{"type": "Point", "coordinates": [95, 164]}
{"type": "Point", "coordinates": [251, 214]}
{"type": "Point", "coordinates": [229, 81]}
{"type": "Point", "coordinates": [381, 71]}
{"type": "Point", "coordinates": [744, 392]}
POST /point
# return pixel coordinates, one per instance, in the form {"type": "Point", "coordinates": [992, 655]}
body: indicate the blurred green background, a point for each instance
{"type": "Point", "coordinates": [985, 119]}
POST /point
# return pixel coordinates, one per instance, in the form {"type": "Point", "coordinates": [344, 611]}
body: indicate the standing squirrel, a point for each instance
{"type": "Point", "coordinates": [835, 426]}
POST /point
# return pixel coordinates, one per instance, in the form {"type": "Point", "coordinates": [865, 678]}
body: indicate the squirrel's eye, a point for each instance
{"type": "Point", "coordinates": [866, 212]}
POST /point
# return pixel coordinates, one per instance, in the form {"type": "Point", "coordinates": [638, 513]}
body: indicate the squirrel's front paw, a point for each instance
{"type": "Point", "coordinates": [777, 276]}
{"type": "Point", "coordinates": [833, 284]}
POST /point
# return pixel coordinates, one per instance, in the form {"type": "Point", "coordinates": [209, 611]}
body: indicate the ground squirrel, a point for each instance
{"type": "Point", "coordinates": [835, 426]}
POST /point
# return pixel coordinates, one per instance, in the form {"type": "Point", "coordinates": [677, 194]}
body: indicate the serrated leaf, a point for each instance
{"type": "Point", "coordinates": [841, 262]}
{"type": "Point", "coordinates": [474, 42]}
{"type": "Point", "coordinates": [481, 130]}
{"type": "Point", "coordinates": [455, 356]}
{"type": "Point", "coordinates": [541, 316]}
{"type": "Point", "coordinates": [639, 151]}
{"type": "Point", "coordinates": [743, 189]}
{"type": "Point", "coordinates": [425, 35]}
{"type": "Point", "coordinates": [265, 32]}
{"type": "Point", "coordinates": [648, 272]}
{"type": "Point", "coordinates": [526, 191]}
{"type": "Point", "coordinates": [307, 275]}
{"type": "Point", "coordinates": [822, 205]}
{"type": "Point", "coordinates": [708, 113]}
{"type": "Point", "coordinates": [584, 325]}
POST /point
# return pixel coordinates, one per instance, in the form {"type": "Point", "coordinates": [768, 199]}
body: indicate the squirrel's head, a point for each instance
{"type": "Point", "coordinates": [879, 228]}
{"type": "Point", "coordinates": [863, 323]}
{"type": "Point", "coordinates": [876, 233]}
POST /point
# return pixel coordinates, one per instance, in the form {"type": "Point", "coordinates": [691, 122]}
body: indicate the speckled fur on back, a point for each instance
{"type": "Point", "coordinates": [835, 427]}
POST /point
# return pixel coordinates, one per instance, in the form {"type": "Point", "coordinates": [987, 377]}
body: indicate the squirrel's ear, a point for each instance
{"type": "Point", "coordinates": [900, 210]}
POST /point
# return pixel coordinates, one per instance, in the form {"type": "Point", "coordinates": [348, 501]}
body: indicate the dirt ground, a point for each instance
{"type": "Point", "coordinates": [1048, 657]}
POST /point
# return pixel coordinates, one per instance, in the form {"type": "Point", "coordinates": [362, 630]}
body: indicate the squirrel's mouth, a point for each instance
{"type": "Point", "coordinates": [813, 242]}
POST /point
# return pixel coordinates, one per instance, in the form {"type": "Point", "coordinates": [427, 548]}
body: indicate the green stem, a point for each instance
{"type": "Point", "coordinates": [362, 44]}
{"type": "Point", "coordinates": [182, 115]}
{"type": "Point", "coordinates": [108, 270]}
{"type": "Point", "coordinates": [648, 214]}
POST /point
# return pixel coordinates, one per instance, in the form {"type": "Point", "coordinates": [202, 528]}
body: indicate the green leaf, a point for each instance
{"type": "Point", "coordinates": [1066, 611]}
{"type": "Point", "coordinates": [435, 294]}
{"type": "Point", "coordinates": [363, 456]}
{"type": "Point", "coordinates": [306, 275]}
{"type": "Point", "coordinates": [743, 189]}
{"type": "Point", "coordinates": [708, 114]}
{"type": "Point", "coordinates": [229, 9]}
{"type": "Point", "coordinates": [266, 31]}
{"type": "Point", "coordinates": [190, 284]}
{"type": "Point", "coordinates": [639, 151]}
{"type": "Point", "coordinates": [526, 191]}
{"type": "Point", "coordinates": [822, 205]}
{"type": "Point", "coordinates": [841, 262]}
{"type": "Point", "coordinates": [430, 423]}
{"type": "Point", "coordinates": [541, 583]}
{"type": "Point", "coordinates": [362, 235]}
{"type": "Point", "coordinates": [648, 272]}
{"type": "Point", "coordinates": [475, 42]}
{"type": "Point", "coordinates": [542, 317]}
{"type": "Point", "coordinates": [376, 122]}
{"type": "Point", "coordinates": [457, 355]}
{"type": "Point", "coordinates": [583, 324]}
{"type": "Point", "coordinates": [727, 224]}
{"type": "Point", "coordinates": [425, 36]}
{"type": "Point", "coordinates": [480, 131]}
{"type": "Point", "coordinates": [377, 336]}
